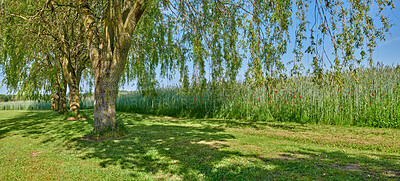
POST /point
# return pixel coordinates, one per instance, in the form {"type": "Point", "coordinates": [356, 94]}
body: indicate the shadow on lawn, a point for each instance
{"type": "Point", "coordinates": [235, 123]}
{"type": "Point", "coordinates": [193, 153]}
{"type": "Point", "coordinates": [168, 150]}
{"type": "Point", "coordinates": [46, 125]}
{"type": "Point", "coordinates": [325, 165]}
{"type": "Point", "coordinates": [183, 151]}
{"type": "Point", "coordinates": [23, 122]}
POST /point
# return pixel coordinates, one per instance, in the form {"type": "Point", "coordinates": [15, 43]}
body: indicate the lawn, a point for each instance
{"type": "Point", "coordinates": [42, 145]}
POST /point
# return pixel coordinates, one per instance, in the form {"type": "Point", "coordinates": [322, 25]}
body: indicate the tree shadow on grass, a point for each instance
{"type": "Point", "coordinates": [319, 164]}
{"type": "Point", "coordinates": [163, 150]}
{"type": "Point", "coordinates": [187, 152]}
{"type": "Point", "coordinates": [22, 123]}
{"type": "Point", "coordinates": [45, 125]}
{"type": "Point", "coordinates": [237, 123]}
{"type": "Point", "coordinates": [169, 149]}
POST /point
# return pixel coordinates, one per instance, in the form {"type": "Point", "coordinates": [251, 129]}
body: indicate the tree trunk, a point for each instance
{"type": "Point", "coordinates": [104, 105]}
{"type": "Point", "coordinates": [53, 104]}
{"type": "Point", "coordinates": [55, 93]}
{"type": "Point", "coordinates": [108, 53]}
{"type": "Point", "coordinates": [72, 76]}
{"type": "Point", "coordinates": [74, 104]}
{"type": "Point", "coordinates": [62, 102]}
{"type": "Point", "coordinates": [56, 101]}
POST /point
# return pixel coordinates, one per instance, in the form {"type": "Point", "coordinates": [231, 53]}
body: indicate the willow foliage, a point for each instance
{"type": "Point", "coordinates": [219, 37]}
{"type": "Point", "coordinates": [15, 45]}
{"type": "Point", "coordinates": [36, 35]}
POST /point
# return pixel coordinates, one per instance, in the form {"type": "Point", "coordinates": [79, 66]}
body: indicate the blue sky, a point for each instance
{"type": "Point", "coordinates": [387, 52]}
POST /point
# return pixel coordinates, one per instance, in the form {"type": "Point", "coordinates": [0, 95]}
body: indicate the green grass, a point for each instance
{"type": "Point", "coordinates": [41, 145]}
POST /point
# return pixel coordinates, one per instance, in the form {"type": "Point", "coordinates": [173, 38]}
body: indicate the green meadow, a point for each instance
{"type": "Point", "coordinates": [43, 145]}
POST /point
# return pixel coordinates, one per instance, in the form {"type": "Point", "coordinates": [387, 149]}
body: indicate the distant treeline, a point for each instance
{"type": "Point", "coordinates": [7, 98]}
{"type": "Point", "coordinates": [12, 98]}
{"type": "Point", "coordinates": [46, 97]}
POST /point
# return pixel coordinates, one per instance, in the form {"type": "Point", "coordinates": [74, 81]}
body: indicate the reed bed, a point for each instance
{"type": "Point", "coordinates": [369, 97]}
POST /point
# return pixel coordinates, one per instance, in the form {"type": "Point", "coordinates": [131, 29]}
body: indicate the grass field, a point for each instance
{"type": "Point", "coordinates": [41, 145]}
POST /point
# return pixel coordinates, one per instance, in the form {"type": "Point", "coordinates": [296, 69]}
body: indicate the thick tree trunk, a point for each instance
{"type": "Point", "coordinates": [74, 104]}
{"type": "Point", "coordinates": [58, 102]}
{"type": "Point", "coordinates": [55, 101]}
{"type": "Point", "coordinates": [106, 76]}
{"type": "Point", "coordinates": [104, 106]}
{"type": "Point", "coordinates": [53, 104]}
{"type": "Point", "coordinates": [72, 76]}
{"type": "Point", "coordinates": [108, 53]}
{"type": "Point", "coordinates": [62, 102]}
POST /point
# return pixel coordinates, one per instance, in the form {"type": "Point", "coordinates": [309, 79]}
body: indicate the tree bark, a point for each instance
{"type": "Point", "coordinates": [62, 102]}
{"type": "Point", "coordinates": [107, 75]}
{"type": "Point", "coordinates": [74, 104]}
{"type": "Point", "coordinates": [56, 102]}
{"type": "Point", "coordinates": [108, 53]}
{"type": "Point", "coordinates": [72, 76]}
{"type": "Point", "coordinates": [53, 104]}
{"type": "Point", "coordinates": [104, 105]}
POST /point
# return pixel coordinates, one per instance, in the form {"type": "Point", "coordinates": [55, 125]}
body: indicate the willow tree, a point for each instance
{"type": "Point", "coordinates": [35, 74]}
{"type": "Point", "coordinates": [45, 29]}
{"type": "Point", "coordinates": [28, 62]}
{"type": "Point", "coordinates": [63, 26]}
{"type": "Point", "coordinates": [109, 41]}
{"type": "Point", "coordinates": [140, 35]}
{"type": "Point", "coordinates": [221, 33]}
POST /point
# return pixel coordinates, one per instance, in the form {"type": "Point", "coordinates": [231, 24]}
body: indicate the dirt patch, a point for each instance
{"type": "Point", "coordinates": [37, 153]}
{"type": "Point", "coordinates": [391, 173]}
{"type": "Point", "coordinates": [214, 144]}
{"type": "Point", "coordinates": [291, 156]}
{"type": "Point", "coordinates": [34, 154]}
{"type": "Point", "coordinates": [97, 139]}
{"type": "Point", "coordinates": [351, 167]}
{"type": "Point", "coordinates": [75, 119]}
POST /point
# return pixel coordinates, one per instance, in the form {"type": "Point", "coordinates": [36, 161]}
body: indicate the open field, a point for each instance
{"type": "Point", "coordinates": [41, 145]}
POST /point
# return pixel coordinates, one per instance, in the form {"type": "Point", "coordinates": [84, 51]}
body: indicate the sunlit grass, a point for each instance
{"type": "Point", "coordinates": [42, 145]}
